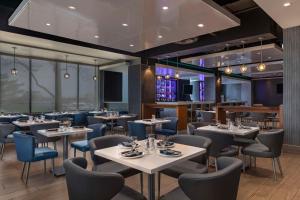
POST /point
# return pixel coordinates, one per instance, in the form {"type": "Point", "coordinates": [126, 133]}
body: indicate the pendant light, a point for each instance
{"type": "Point", "coordinates": [14, 71]}
{"type": "Point", "coordinates": [66, 75]}
{"type": "Point", "coordinates": [95, 75]}
{"type": "Point", "coordinates": [228, 69]}
{"type": "Point", "coordinates": [167, 75]}
{"type": "Point", "coordinates": [159, 76]}
{"type": "Point", "coordinates": [243, 67]}
{"type": "Point", "coordinates": [261, 66]}
{"type": "Point", "coordinates": [177, 73]}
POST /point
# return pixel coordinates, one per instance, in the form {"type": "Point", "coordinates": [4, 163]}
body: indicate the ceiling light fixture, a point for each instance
{"type": "Point", "coordinates": [261, 66]}
{"type": "Point", "coordinates": [72, 7]}
{"type": "Point", "coordinates": [287, 4]}
{"type": "Point", "coordinates": [243, 67]}
{"type": "Point", "coordinates": [66, 75]}
{"type": "Point", "coordinates": [48, 24]}
{"type": "Point", "coordinates": [124, 24]}
{"type": "Point", "coordinates": [165, 7]}
{"type": "Point", "coordinates": [167, 75]}
{"type": "Point", "coordinates": [95, 75]}
{"type": "Point", "coordinates": [228, 69]}
{"type": "Point", "coordinates": [96, 36]}
{"type": "Point", "coordinates": [177, 72]}
{"type": "Point", "coordinates": [14, 71]}
{"type": "Point", "coordinates": [131, 45]}
{"type": "Point", "coordinates": [160, 36]}
{"type": "Point", "coordinates": [200, 25]}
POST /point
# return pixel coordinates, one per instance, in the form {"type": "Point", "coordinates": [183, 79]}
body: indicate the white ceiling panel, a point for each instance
{"type": "Point", "coordinates": [101, 21]}
{"type": "Point", "coordinates": [285, 12]}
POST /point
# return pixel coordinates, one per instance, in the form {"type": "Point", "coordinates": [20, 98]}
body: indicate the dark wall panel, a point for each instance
{"type": "Point", "coordinates": [265, 92]}
{"type": "Point", "coordinates": [134, 89]}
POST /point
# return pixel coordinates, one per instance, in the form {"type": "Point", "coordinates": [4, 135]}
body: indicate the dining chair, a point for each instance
{"type": "Point", "coordinates": [103, 165]}
{"type": "Point", "coordinates": [169, 128]}
{"type": "Point", "coordinates": [83, 145]}
{"type": "Point", "coordinates": [6, 136]}
{"type": "Point", "coordinates": [197, 165]}
{"type": "Point", "coordinates": [206, 116]}
{"type": "Point", "coordinates": [83, 184]}
{"type": "Point", "coordinates": [27, 152]}
{"type": "Point", "coordinates": [94, 120]}
{"type": "Point", "coordinates": [137, 129]}
{"type": "Point", "coordinates": [80, 119]}
{"type": "Point", "coordinates": [192, 126]}
{"type": "Point", "coordinates": [270, 146]}
{"type": "Point", "coordinates": [41, 139]}
{"type": "Point", "coordinates": [122, 123]}
{"type": "Point", "coordinates": [222, 144]}
{"type": "Point", "coordinates": [220, 185]}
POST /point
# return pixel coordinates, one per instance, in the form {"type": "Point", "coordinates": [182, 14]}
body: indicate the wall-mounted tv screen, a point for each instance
{"type": "Point", "coordinates": [279, 88]}
{"type": "Point", "coordinates": [187, 89]}
{"type": "Point", "coordinates": [113, 86]}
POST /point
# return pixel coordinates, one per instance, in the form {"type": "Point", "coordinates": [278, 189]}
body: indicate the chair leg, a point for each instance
{"type": "Point", "coordinates": [254, 162]}
{"type": "Point", "coordinates": [23, 169]}
{"type": "Point", "coordinates": [54, 145]}
{"type": "Point", "coordinates": [2, 150]}
{"type": "Point", "coordinates": [279, 166]}
{"type": "Point", "coordinates": [158, 185]}
{"type": "Point", "coordinates": [74, 152]}
{"type": "Point", "coordinates": [142, 183]}
{"type": "Point", "coordinates": [216, 164]}
{"type": "Point", "coordinates": [250, 165]}
{"type": "Point", "coordinates": [244, 163]}
{"type": "Point", "coordinates": [274, 169]}
{"type": "Point", "coordinates": [45, 166]}
{"type": "Point", "coordinates": [53, 166]}
{"type": "Point", "coordinates": [28, 168]}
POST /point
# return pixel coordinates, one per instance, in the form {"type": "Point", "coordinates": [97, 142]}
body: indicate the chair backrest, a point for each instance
{"type": "Point", "coordinates": [222, 184]}
{"type": "Point", "coordinates": [34, 131]}
{"type": "Point", "coordinates": [172, 125]}
{"type": "Point", "coordinates": [137, 129]}
{"type": "Point", "coordinates": [80, 118]}
{"type": "Point", "coordinates": [219, 141]}
{"type": "Point", "coordinates": [273, 140]}
{"type": "Point", "coordinates": [6, 129]}
{"type": "Point", "coordinates": [194, 125]}
{"type": "Point", "coordinates": [124, 121]}
{"type": "Point", "coordinates": [93, 120]}
{"type": "Point", "coordinates": [83, 184]}
{"type": "Point", "coordinates": [25, 146]}
{"type": "Point", "coordinates": [196, 141]}
{"type": "Point", "coordinates": [98, 130]}
{"type": "Point", "coordinates": [207, 116]}
{"type": "Point", "coordinates": [105, 142]}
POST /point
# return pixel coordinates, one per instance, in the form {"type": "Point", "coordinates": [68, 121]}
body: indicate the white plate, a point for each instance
{"type": "Point", "coordinates": [160, 147]}
{"type": "Point", "coordinates": [139, 156]}
{"type": "Point", "coordinates": [170, 156]}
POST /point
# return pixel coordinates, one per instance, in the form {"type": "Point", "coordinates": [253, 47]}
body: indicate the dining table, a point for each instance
{"type": "Point", "coordinates": [112, 118]}
{"type": "Point", "coordinates": [234, 130]}
{"type": "Point", "coordinates": [64, 133]}
{"type": "Point", "coordinates": [151, 162]}
{"type": "Point", "coordinates": [152, 122]}
{"type": "Point", "coordinates": [28, 123]}
{"type": "Point", "coordinates": [12, 117]}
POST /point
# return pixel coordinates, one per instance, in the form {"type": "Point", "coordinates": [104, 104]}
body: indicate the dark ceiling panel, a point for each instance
{"type": "Point", "coordinates": [10, 3]}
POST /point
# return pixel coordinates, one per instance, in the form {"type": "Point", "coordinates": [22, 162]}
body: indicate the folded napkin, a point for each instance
{"type": "Point", "coordinates": [131, 153]}
{"type": "Point", "coordinates": [167, 143]}
{"type": "Point", "coordinates": [170, 152]}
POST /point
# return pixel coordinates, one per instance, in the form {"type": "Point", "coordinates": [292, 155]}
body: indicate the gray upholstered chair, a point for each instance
{"type": "Point", "coordinates": [192, 126]}
{"type": "Point", "coordinates": [6, 136]}
{"type": "Point", "coordinates": [269, 147]}
{"type": "Point", "coordinates": [242, 141]}
{"type": "Point", "coordinates": [122, 123]}
{"type": "Point", "coordinates": [220, 185]}
{"type": "Point", "coordinates": [197, 165]}
{"type": "Point", "coordinates": [83, 184]}
{"type": "Point", "coordinates": [222, 144]}
{"type": "Point", "coordinates": [207, 116]}
{"type": "Point", "coordinates": [104, 165]}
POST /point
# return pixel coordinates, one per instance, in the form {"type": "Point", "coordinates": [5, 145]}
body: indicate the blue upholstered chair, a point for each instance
{"type": "Point", "coordinates": [6, 136]}
{"type": "Point", "coordinates": [28, 153]}
{"type": "Point", "coordinates": [80, 119]}
{"type": "Point", "coordinates": [137, 129]}
{"type": "Point", "coordinates": [169, 128]}
{"type": "Point", "coordinates": [83, 145]}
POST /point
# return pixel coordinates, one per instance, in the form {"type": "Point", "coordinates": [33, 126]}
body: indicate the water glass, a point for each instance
{"type": "Point", "coordinates": [30, 118]}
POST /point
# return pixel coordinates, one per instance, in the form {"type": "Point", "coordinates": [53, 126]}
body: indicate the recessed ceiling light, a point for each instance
{"type": "Point", "coordinates": [160, 36]}
{"type": "Point", "coordinates": [48, 24]}
{"type": "Point", "coordinates": [258, 53]}
{"type": "Point", "coordinates": [72, 7]}
{"type": "Point", "coordinates": [269, 57]}
{"type": "Point", "coordinates": [200, 25]}
{"type": "Point", "coordinates": [287, 4]}
{"type": "Point", "coordinates": [96, 36]}
{"type": "Point", "coordinates": [131, 45]}
{"type": "Point", "coordinates": [165, 7]}
{"type": "Point", "coordinates": [124, 24]}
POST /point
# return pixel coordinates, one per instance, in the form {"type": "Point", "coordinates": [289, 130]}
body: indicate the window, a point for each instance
{"type": "Point", "coordinates": [67, 88]}
{"type": "Point", "coordinates": [88, 88]}
{"type": "Point", "coordinates": [14, 89]}
{"type": "Point", "coordinates": [43, 86]}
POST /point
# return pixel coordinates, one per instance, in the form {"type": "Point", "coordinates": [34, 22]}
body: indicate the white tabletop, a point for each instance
{"type": "Point", "coordinates": [233, 131]}
{"type": "Point", "coordinates": [152, 122]}
{"type": "Point", "coordinates": [113, 117]}
{"type": "Point", "coordinates": [67, 131]}
{"type": "Point", "coordinates": [96, 112]}
{"type": "Point", "coordinates": [151, 163]}
{"type": "Point", "coordinates": [31, 123]}
{"type": "Point", "coordinates": [9, 116]}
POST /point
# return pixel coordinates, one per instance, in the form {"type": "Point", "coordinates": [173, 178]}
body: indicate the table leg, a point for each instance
{"type": "Point", "coordinates": [151, 186]}
{"type": "Point", "coordinates": [60, 171]}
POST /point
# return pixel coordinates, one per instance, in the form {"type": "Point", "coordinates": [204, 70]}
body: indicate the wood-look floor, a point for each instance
{"type": "Point", "coordinates": [256, 184]}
